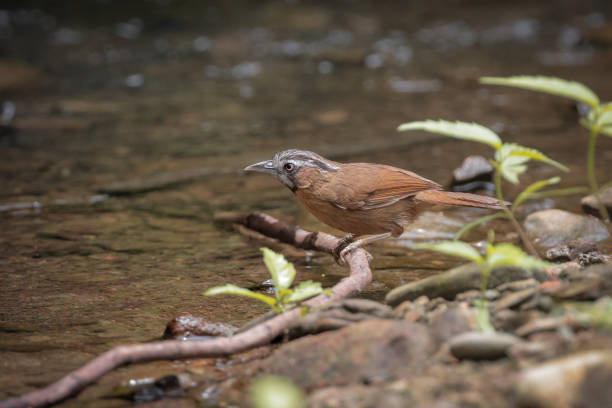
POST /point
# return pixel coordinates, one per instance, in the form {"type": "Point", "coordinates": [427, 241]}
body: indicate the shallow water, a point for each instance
{"type": "Point", "coordinates": [133, 125]}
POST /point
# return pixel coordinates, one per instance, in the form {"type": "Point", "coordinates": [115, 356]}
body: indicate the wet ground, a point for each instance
{"type": "Point", "coordinates": [124, 131]}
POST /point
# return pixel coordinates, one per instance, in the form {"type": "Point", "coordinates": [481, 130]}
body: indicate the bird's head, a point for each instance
{"type": "Point", "coordinates": [286, 165]}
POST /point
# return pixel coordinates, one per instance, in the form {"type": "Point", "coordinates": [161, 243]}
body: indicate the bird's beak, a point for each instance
{"type": "Point", "coordinates": [262, 167]}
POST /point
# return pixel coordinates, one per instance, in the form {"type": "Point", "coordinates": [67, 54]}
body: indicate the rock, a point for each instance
{"type": "Point", "coordinates": [474, 173]}
{"type": "Point", "coordinates": [551, 228]}
{"type": "Point", "coordinates": [449, 284]}
{"type": "Point", "coordinates": [542, 325]}
{"type": "Point", "coordinates": [579, 380]}
{"type": "Point", "coordinates": [591, 206]}
{"type": "Point", "coordinates": [192, 326]}
{"type": "Point", "coordinates": [477, 345]}
{"type": "Point", "coordinates": [451, 322]}
{"type": "Point", "coordinates": [366, 352]}
{"type": "Point", "coordinates": [585, 253]}
{"type": "Point", "coordinates": [514, 299]}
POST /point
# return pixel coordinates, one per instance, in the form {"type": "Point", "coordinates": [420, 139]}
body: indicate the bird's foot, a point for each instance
{"type": "Point", "coordinates": [341, 258]}
{"type": "Point", "coordinates": [340, 246]}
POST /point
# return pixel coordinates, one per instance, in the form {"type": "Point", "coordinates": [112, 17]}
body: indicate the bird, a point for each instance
{"type": "Point", "coordinates": [367, 201]}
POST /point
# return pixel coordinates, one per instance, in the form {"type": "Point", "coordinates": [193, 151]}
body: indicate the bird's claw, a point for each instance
{"type": "Point", "coordinates": [340, 255]}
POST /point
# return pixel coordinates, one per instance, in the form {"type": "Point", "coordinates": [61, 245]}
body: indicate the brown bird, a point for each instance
{"type": "Point", "coordinates": [361, 198]}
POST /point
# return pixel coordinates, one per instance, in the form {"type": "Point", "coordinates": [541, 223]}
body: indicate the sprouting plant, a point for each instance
{"type": "Point", "coordinates": [598, 120]}
{"type": "Point", "coordinates": [271, 391]}
{"type": "Point", "coordinates": [503, 254]}
{"type": "Point", "coordinates": [282, 273]}
{"type": "Point", "coordinates": [509, 161]}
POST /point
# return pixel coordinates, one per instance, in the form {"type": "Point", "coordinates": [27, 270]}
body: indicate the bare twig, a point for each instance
{"type": "Point", "coordinates": [74, 382]}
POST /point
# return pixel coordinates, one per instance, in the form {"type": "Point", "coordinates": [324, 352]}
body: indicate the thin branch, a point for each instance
{"type": "Point", "coordinates": [77, 380]}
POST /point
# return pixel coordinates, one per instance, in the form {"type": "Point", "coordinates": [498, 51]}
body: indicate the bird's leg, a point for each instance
{"type": "Point", "coordinates": [360, 242]}
{"type": "Point", "coordinates": [344, 241]}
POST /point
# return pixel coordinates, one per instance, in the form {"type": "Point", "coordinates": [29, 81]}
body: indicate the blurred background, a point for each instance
{"type": "Point", "coordinates": [124, 127]}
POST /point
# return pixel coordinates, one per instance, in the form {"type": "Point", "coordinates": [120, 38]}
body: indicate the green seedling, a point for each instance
{"type": "Point", "coordinates": [271, 391]}
{"type": "Point", "coordinates": [495, 255]}
{"type": "Point", "coordinates": [509, 161]}
{"type": "Point", "coordinates": [598, 121]}
{"type": "Point", "coordinates": [282, 273]}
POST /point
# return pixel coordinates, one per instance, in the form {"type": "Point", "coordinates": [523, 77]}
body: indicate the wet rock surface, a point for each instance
{"type": "Point", "coordinates": [188, 326]}
{"type": "Point", "coordinates": [551, 228]}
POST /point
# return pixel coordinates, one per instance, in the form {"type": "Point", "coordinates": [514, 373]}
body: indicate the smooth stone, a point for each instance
{"type": "Point", "coordinates": [193, 326]}
{"type": "Point", "coordinates": [578, 380]}
{"type": "Point", "coordinates": [478, 345]}
{"type": "Point", "coordinates": [591, 206]}
{"type": "Point", "coordinates": [474, 173]}
{"type": "Point", "coordinates": [450, 283]}
{"type": "Point", "coordinates": [551, 228]}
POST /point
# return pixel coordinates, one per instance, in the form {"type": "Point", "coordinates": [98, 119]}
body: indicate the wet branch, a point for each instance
{"type": "Point", "coordinates": [70, 385]}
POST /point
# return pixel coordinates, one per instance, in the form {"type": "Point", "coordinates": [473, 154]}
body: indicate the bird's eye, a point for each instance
{"type": "Point", "coordinates": [289, 166]}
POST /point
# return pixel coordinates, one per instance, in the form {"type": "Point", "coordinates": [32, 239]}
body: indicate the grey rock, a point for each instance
{"type": "Point", "coordinates": [450, 283]}
{"type": "Point", "coordinates": [551, 228]}
{"type": "Point", "coordinates": [477, 345]}
{"type": "Point", "coordinates": [579, 380]}
{"type": "Point", "coordinates": [518, 285]}
{"type": "Point", "coordinates": [451, 322]}
{"type": "Point", "coordinates": [474, 173]}
{"type": "Point", "coordinates": [591, 206]}
{"type": "Point", "coordinates": [372, 351]}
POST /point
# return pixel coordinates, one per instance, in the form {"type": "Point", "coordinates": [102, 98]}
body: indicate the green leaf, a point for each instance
{"type": "Point", "coordinates": [230, 289]}
{"type": "Point", "coordinates": [454, 248]}
{"type": "Point", "coordinates": [604, 121]}
{"type": "Point", "coordinates": [551, 85]}
{"type": "Point", "coordinates": [513, 149]}
{"type": "Point", "coordinates": [512, 159]}
{"type": "Point", "coordinates": [532, 188]}
{"type": "Point", "coordinates": [510, 255]}
{"type": "Point", "coordinates": [459, 130]}
{"type": "Point", "coordinates": [303, 291]}
{"type": "Point", "coordinates": [282, 271]}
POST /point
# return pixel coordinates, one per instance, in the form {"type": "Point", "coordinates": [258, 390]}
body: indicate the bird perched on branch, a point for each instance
{"type": "Point", "coordinates": [361, 198]}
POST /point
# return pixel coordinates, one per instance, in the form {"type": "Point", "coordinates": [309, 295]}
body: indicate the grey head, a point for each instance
{"type": "Point", "coordinates": [285, 165]}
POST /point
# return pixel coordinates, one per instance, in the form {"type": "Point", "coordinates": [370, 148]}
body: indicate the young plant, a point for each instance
{"type": "Point", "coordinates": [282, 273]}
{"type": "Point", "coordinates": [509, 161]}
{"type": "Point", "coordinates": [599, 119]}
{"type": "Point", "coordinates": [495, 255]}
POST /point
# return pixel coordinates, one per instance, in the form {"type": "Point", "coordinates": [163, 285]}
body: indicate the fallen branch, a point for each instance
{"type": "Point", "coordinates": [74, 382]}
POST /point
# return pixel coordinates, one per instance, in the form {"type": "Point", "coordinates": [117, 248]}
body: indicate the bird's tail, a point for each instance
{"type": "Point", "coordinates": [464, 199]}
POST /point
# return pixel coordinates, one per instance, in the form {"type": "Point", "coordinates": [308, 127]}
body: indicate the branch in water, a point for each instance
{"type": "Point", "coordinates": [359, 277]}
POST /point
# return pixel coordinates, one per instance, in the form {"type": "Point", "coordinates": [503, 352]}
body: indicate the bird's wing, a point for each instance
{"type": "Point", "coordinates": [365, 186]}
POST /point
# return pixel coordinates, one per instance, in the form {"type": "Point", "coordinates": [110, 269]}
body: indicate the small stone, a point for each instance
{"type": "Point", "coordinates": [579, 380]}
{"type": "Point", "coordinates": [585, 253]}
{"type": "Point", "coordinates": [482, 346]}
{"type": "Point", "coordinates": [474, 173]}
{"type": "Point", "coordinates": [514, 299]}
{"type": "Point", "coordinates": [541, 325]}
{"type": "Point", "coordinates": [551, 228]}
{"type": "Point", "coordinates": [590, 204]}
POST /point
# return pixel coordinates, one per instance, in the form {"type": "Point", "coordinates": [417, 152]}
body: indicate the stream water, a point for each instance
{"type": "Point", "coordinates": [124, 131]}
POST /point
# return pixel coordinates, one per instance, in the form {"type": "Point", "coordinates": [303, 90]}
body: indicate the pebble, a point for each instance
{"type": "Point", "coordinates": [551, 228]}
{"type": "Point", "coordinates": [482, 346]}
{"type": "Point", "coordinates": [474, 173]}
{"type": "Point", "coordinates": [514, 299]}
